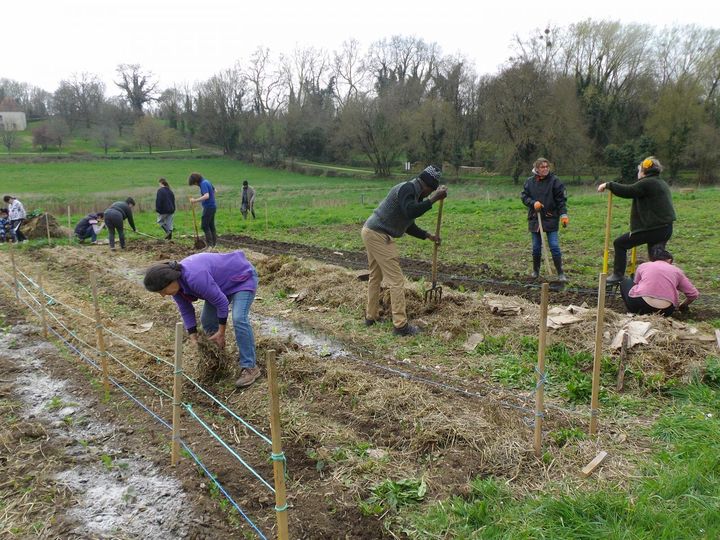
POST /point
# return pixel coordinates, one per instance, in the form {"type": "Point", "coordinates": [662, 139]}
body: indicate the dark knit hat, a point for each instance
{"type": "Point", "coordinates": [431, 176]}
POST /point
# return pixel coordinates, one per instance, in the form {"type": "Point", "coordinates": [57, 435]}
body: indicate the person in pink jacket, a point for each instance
{"type": "Point", "coordinates": [657, 285]}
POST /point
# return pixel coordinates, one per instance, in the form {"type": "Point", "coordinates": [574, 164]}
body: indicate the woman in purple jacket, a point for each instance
{"type": "Point", "coordinates": [220, 279]}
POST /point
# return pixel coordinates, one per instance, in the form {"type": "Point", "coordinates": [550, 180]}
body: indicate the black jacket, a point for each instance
{"type": "Point", "coordinates": [122, 208]}
{"type": "Point", "coordinates": [652, 206]}
{"type": "Point", "coordinates": [165, 201]}
{"type": "Point", "coordinates": [550, 191]}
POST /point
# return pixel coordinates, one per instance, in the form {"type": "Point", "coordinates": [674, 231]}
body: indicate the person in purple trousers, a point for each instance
{"type": "Point", "coordinates": [221, 280]}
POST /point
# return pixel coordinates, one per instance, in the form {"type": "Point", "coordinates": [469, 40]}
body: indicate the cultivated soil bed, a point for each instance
{"type": "Point", "coordinates": [358, 406]}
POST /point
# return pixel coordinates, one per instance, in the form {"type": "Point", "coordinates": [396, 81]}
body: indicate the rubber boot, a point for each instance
{"type": "Point", "coordinates": [536, 267]}
{"type": "Point", "coordinates": [559, 268]}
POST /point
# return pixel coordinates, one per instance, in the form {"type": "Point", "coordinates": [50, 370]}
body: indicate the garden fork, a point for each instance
{"type": "Point", "coordinates": [434, 293]}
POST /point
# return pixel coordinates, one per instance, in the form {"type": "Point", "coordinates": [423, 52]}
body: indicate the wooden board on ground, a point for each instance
{"type": "Point", "coordinates": [588, 469]}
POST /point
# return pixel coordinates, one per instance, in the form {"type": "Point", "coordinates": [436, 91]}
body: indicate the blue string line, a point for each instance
{"type": "Point", "coordinates": [168, 426]}
{"type": "Point", "coordinates": [217, 437]}
{"type": "Point", "coordinates": [139, 376]}
{"type": "Point", "coordinates": [223, 406]}
{"type": "Point", "coordinates": [219, 485]}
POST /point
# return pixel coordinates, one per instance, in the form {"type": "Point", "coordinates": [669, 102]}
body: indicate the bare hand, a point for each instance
{"type": "Point", "coordinates": [435, 239]}
{"type": "Point", "coordinates": [191, 199]}
{"type": "Point", "coordinates": [439, 194]}
{"type": "Point", "coordinates": [218, 339]}
{"type": "Point", "coordinates": [602, 187]}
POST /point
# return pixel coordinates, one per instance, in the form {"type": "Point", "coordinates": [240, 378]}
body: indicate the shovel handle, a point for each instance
{"type": "Point", "coordinates": [192, 207]}
{"type": "Point", "coordinates": [608, 220]}
{"type": "Point", "coordinates": [435, 244]}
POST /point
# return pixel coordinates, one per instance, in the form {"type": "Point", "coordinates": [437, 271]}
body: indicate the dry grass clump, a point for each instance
{"type": "Point", "coordinates": [213, 363]}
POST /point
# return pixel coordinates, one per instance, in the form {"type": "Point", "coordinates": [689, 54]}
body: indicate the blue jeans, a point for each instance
{"type": "Point", "coordinates": [89, 232]}
{"type": "Point", "coordinates": [553, 240]}
{"type": "Point", "coordinates": [240, 306]}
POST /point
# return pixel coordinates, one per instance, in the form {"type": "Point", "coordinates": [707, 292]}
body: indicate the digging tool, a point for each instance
{"type": "Point", "coordinates": [199, 242]}
{"type": "Point", "coordinates": [633, 261]}
{"type": "Point", "coordinates": [434, 293]}
{"type": "Point", "coordinates": [543, 243]}
{"type": "Point", "coordinates": [608, 219]}
{"type": "Point", "coordinates": [148, 235]}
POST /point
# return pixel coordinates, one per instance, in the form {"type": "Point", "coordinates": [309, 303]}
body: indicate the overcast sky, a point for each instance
{"type": "Point", "coordinates": [187, 41]}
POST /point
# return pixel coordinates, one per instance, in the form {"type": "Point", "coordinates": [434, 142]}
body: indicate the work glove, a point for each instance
{"type": "Point", "coordinates": [537, 205]}
{"type": "Point", "coordinates": [564, 219]}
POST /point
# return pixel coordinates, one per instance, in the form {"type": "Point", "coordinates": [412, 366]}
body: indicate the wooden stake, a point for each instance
{"type": "Point", "coordinates": [70, 231]}
{"type": "Point", "coordinates": [177, 394]}
{"type": "Point", "coordinates": [14, 268]}
{"type": "Point", "coordinates": [540, 376]}
{"type": "Point", "coordinates": [597, 358]}
{"type": "Point", "coordinates": [100, 337]}
{"type": "Point", "coordinates": [608, 220]}
{"type": "Point", "coordinates": [47, 227]}
{"type": "Point", "coordinates": [278, 465]}
{"type": "Point", "coordinates": [43, 304]}
{"type": "Point", "coordinates": [621, 363]}
{"type": "Point", "coordinates": [543, 243]}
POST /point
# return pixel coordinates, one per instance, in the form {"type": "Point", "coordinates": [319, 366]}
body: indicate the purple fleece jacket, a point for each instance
{"type": "Point", "coordinates": [212, 277]}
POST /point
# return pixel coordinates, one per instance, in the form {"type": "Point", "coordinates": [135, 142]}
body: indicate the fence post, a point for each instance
{"type": "Point", "coordinates": [100, 337]}
{"type": "Point", "coordinates": [277, 453]}
{"type": "Point", "coordinates": [70, 231]}
{"type": "Point", "coordinates": [47, 227]}
{"type": "Point", "coordinates": [597, 357]}
{"type": "Point", "coordinates": [540, 378]}
{"type": "Point", "coordinates": [43, 314]}
{"type": "Point", "coordinates": [177, 394]}
{"type": "Point", "coordinates": [14, 268]}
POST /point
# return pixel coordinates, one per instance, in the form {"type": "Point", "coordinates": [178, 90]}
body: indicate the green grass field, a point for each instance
{"type": "Point", "coordinates": [483, 223]}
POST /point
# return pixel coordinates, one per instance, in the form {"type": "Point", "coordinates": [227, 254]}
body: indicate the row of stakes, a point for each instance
{"type": "Point", "coordinates": [271, 367]}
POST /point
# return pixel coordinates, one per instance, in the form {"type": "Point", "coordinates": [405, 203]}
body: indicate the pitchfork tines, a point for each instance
{"type": "Point", "coordinates": [434, 294]}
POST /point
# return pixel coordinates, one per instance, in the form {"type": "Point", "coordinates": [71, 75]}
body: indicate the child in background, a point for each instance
{"type": "Point", "coordinates": [4, 224]}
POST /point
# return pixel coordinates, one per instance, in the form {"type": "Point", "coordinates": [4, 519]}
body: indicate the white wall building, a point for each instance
{"type": "Point", "coordinates": [12, 118]}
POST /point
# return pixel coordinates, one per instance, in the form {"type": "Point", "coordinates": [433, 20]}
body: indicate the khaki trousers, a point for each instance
{"type": "Point", "coordinates": [384, 264]}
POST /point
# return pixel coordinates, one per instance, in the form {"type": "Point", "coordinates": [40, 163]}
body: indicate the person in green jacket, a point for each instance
{"type": "Point", "coordinates": [651, 215]}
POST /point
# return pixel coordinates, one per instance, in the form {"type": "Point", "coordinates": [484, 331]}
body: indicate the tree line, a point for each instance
{"type": "Point", "coordinates": [594, 97]}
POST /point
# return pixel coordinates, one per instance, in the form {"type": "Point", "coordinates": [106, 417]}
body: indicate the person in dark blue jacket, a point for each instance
{"type": "Point", "coordinates": [165, 207]}
{"type": "Point", "coordinates": [545, 197]}
{"type": "Point", "coordinates": [88, 227]}
{"type": "Point", "coordinates": [114, 220]}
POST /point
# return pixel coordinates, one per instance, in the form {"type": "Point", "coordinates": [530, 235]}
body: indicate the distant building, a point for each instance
{"type": "Point", "coordinates": [12, 117]}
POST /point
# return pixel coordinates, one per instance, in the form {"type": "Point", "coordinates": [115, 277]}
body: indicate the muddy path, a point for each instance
{"type": "Point", "coordinates": [466, 276]}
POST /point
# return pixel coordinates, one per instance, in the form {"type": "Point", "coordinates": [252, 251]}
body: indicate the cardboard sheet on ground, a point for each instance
{"type": "Point", "coordinates": [504, 307]}
{"type": "Point", "coordinates": [562, 316]}
{"type": "Point", "coordinates": [637, 332]}
{"type": "Point", "coordinates": [140, 328]}
{"type": "Point", "coordinates": [473, 341]}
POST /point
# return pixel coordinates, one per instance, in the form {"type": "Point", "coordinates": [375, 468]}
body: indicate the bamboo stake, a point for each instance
{"type": "Point", "coordinates": [597, 358]}
{"type": "Point", "coordinates": [177, 394]}
{"type": "Point", "coordinates": [70, 231]}
{"type": "Point", "coordinates": [608, 220]}
{"type": "Point", "coordinates": [43, 303]}
{"type": "Point", "coordinates": [633, 260]}
{"type": "Point", "coordinates": [540, 378]}
{"type": "Point", "coordinates": [47, 227]}
{"type": "Point", "coordinates": [14, 268]}
{"type": "Point", "coordinates": [278, 456]}
{"type": "Point", "coordinates": [100, 337]}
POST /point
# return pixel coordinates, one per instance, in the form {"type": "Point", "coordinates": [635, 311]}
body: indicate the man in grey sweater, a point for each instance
{"type": "Point", "coordinates": [395, 216]}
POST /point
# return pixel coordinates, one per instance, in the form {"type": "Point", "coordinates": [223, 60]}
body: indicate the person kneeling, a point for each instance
{"type": "Point", "coordinates": [656, 286]}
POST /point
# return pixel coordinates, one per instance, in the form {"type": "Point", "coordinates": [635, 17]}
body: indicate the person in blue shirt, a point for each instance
{"type": "Point", "coordinates": [207, 198]}
{"type": "Point", "coordinates": [88, 227]}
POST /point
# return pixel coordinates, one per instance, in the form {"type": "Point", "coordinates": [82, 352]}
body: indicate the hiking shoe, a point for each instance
{"type": "Point", "coordinates": [407, 330]}
{"type": "Point", "coordinates": [370, 322]}
{"type": "Point", "coordinates": [534, 274]}
{"type": "Point", "coordinates": [247, 376]}
{"type": "Point", "coordinates": [562, 277]}
{"type": "Point", "coordinates": [614, 278]}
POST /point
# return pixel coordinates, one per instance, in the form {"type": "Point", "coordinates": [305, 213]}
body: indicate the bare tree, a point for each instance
{"type": "Point", "coordinates": [138, 86]}
{"type": "Point", "coordinates": [87, 92]}
{"type": "Point", "coordinates": [8, 135]}
{"type": "Point", "coordinates": [349, 73]}
{"type": "Point", "coordinates": [148, 132]}
{"type": "Point", "coordinates": [265, 84]}
{"type": "Point", "coordinates": [219, 106]}
{"type": "Point", "coordinates": [106, 137]}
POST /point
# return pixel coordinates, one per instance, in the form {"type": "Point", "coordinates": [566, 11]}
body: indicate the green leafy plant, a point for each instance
{"type": "Point", "coordinates": [392, 495]}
